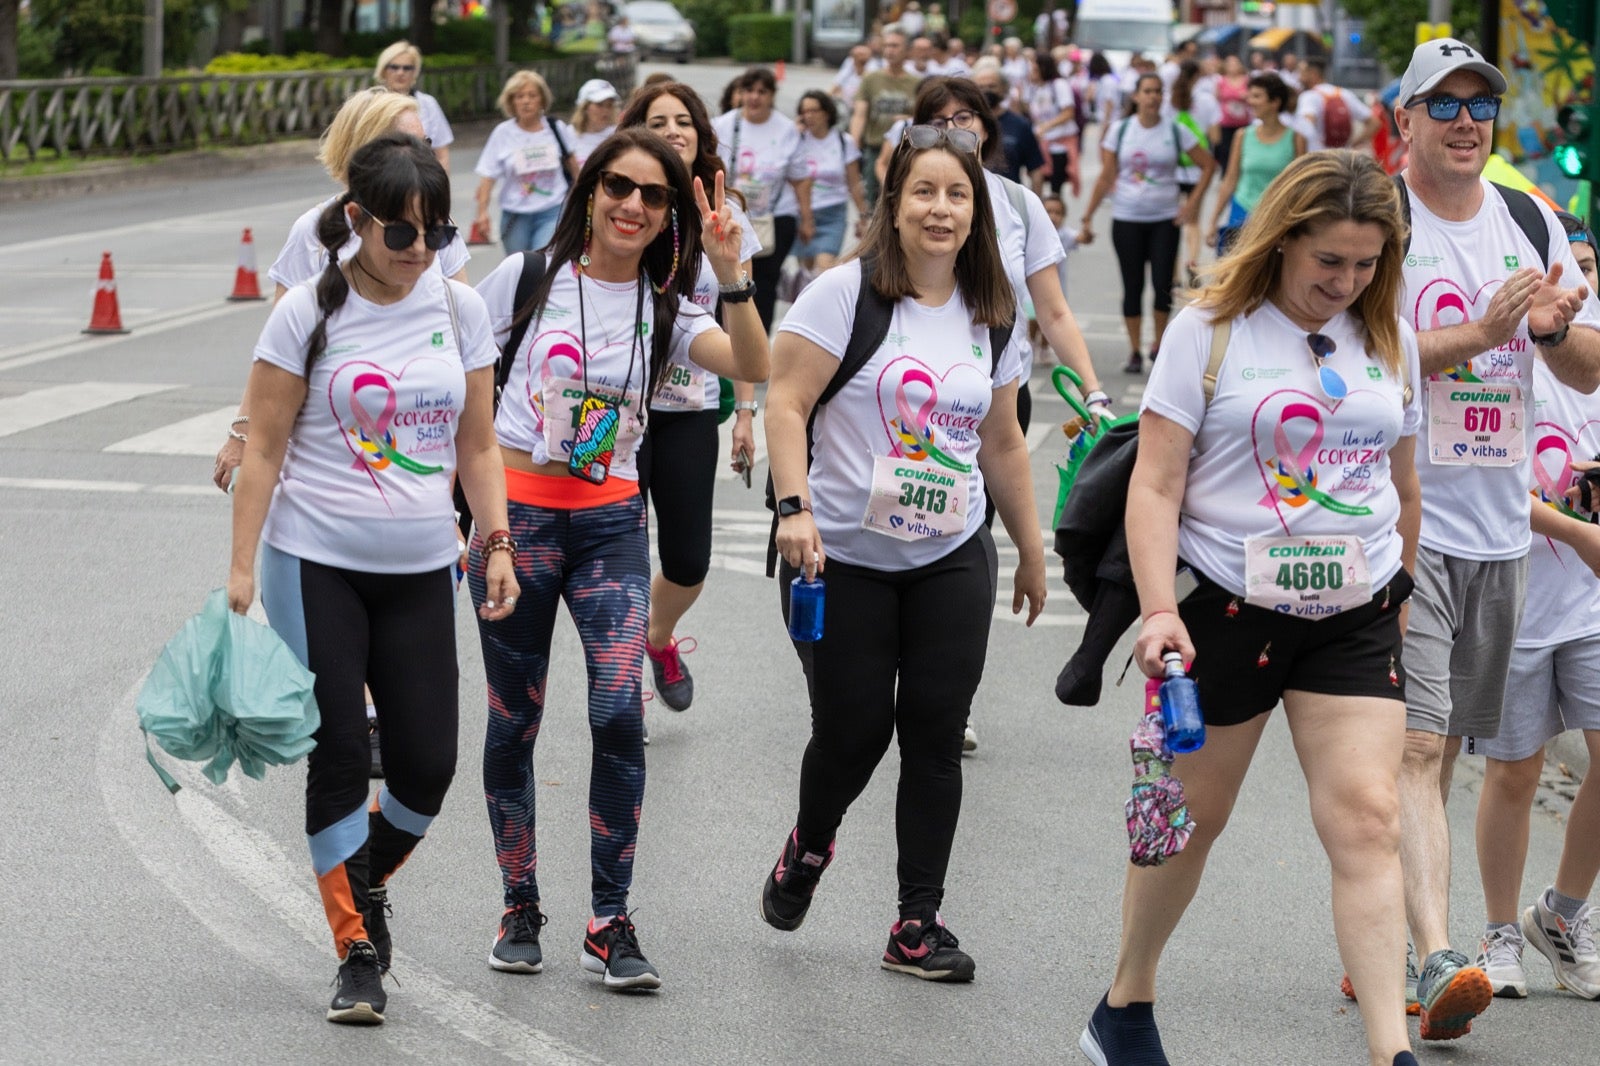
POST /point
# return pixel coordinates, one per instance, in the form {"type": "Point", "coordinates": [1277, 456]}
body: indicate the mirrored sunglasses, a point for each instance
{"type": "Point", "coordinates": [1445, 108]}
{"type": "Point", "coordinates": [620, 187]}
{"type": "Point", "coordinates": [398, 236]}
{"type": "Point", "coordinates": [924, 137]}
{"type": "Point", "coordinates": [1322, 346]}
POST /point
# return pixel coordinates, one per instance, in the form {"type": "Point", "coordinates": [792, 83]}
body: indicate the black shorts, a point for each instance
{"type": "Point", "coordinates": [1246, 657]}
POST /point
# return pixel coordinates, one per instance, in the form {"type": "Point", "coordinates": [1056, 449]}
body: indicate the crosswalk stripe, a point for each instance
{"type": "Point", "coordinates": [30, 410]}
{"type": "Point", "coordinates": [200, 435]}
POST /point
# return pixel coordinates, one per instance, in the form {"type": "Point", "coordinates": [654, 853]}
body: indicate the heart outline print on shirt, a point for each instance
{"type": "Point", "coordinates": [913, 430]}
{"type": "Point", "coordinates": [370, 431]}
{"type": "Point", "coordinates": [1290, 473]}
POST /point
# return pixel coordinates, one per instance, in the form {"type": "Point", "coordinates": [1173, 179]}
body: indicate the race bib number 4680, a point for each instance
{"type": "Point", "coordinates": [1306, 577]}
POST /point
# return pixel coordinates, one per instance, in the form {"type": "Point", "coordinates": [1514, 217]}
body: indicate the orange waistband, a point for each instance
{"type": "Point", "coordinates": [563, 493]}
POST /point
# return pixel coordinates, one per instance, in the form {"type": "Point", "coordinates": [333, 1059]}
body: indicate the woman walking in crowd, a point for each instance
{"type": "Point", "coordinates": [1233, 84]}
{"type": "Point", "coordinates": [607, 318]}
{"type": "Point", "coordinates": [1297, 334]}
{"type": "Point", "coordinates": [683, 441]}
{"type": "Point", "coordinates": [1199, 112]}
{"type": "Point", "coordinates": [1139, 159]}
{"type": "Point", "coordinates": [594, 117]}
{"type": "Point", "coordinates": [1049, 101]}
{"type": "Point", "coordinates": [1259, 154]}
{"type": "Point", "coordinates": [762, 151]}
{"type": "Point", "coordinates": [932, 256]}
{"type": "Point", "coordinates": [356, 571]}
{"type": "Point", "coordinates": [530, 155]}
{"type": "Point", "coordinates": [1105, 92]}
{"type": "Point", "coordinates": [831, 161]}
{"type": "Point", "coordinates": [399, 67]}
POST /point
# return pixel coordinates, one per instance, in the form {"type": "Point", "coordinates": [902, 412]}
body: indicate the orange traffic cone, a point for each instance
{"type": "Point", "coordinates": [479, 234]}
{"type": "Point", "coordinates": [246, 286]}
{"type": "Point", "coordinates": [780, 71]}
{"type": "Point", "coordinates": [107, 318]}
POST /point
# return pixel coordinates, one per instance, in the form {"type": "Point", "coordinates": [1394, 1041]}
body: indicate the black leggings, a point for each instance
{"type": "Point", "coordinates": [1138, 244]}
{"type": "Point", "coordinates": [1058, 171]}
{"type": "Point", "coordinates": [882, 671]}
{"type": "Point", "coordinates": [768, 268]}
{"type": "Point", "coordinates": [685, 445]}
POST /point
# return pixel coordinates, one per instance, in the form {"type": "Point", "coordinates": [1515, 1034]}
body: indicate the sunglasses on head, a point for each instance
{"type": "Point", "coordinates": [1322, 346]}
{"type": "Point", "coordinates": [930, 136]}
{"type": "Point", "coordinates": [1445, 108]}
{"type": "Point", "coordinates": [398, 236]}
{"type": "Point", "coordinates": [620, 187]}
{"type": "Point", "coordinates": [403, 68]}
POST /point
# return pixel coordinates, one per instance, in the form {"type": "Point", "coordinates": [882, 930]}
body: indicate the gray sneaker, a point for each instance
{"type": "Point", "coordinates": [1568, 945]}
{"type": "Point", "coordinates": [516, 949]}
{"type": "Point", "coordinates": [1451, 992]}
{"type": "Point", "coordinates": [1411, 982]}
{"type": "Point", "coordinates": [1500, 958]}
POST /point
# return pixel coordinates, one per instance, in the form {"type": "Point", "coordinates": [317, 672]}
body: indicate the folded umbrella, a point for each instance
{"type": "Point", "coordinates": [1158, 815]}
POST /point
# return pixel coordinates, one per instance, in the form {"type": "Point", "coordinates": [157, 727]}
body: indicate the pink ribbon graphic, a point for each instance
{"type": "Point", "coordinates": [372, 429]}
{"type": "Point", "coordinates": [1294, 474]}
{"type": "Point", "coordinates": [566, 350]}
{"type": "Point", "coordinates": [1553, 490]}
{"type": "Point", "coordinates": [916, 433]}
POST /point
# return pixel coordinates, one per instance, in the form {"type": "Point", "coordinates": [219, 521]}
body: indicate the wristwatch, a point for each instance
{"type": "Point", "coordinates": [740, 293]}
{"type": "Point", "coordinates": [747, 405]}
{"type": "Point", "coordinates": [1549, 340]}
{"type": "Point", "coordinates": [792, 505]}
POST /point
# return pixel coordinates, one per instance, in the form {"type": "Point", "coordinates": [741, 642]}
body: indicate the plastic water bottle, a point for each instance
{"type": "Point", "coordinates": [805, 609]}
{"type": "Point", "coordinates": [1180, 708]}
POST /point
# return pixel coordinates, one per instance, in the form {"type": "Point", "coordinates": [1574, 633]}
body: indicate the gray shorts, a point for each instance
{"type": "Point", "coordinates": [1464, 619]}
{"type": "Point", "coordinates": [1549, 691]}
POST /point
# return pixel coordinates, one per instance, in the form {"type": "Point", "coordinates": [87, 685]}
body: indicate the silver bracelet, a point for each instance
{"type": "Point", "coordinates": [234, 434]}
{"type": "Point", "coordinates": [240, 420]}
{"type": "Point", "coordinates": [747, 405]}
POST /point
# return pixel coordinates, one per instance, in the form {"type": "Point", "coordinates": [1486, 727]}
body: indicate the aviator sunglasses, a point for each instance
{"type": "Point", "coordinates": [1445, 108]}
{"type": "Point", "coordinates": [930, 136]}
{"type": "Point", "coordinates": [398, 236]}
{"type": "Point", "coordinates": [1322, 346]}
{"type": "Point", "coordinates": [620, 187]}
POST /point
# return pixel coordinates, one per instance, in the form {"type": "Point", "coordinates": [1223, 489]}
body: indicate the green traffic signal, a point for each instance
{"type": "Point", "coordinates": [1573, 157]}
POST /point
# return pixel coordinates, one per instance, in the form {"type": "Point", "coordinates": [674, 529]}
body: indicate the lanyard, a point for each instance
{"type": "Point", "coordinates": [633, 342]}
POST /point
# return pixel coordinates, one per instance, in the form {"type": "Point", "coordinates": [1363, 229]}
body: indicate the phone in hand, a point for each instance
{"type": "Point", "coordinates": [742, 462]}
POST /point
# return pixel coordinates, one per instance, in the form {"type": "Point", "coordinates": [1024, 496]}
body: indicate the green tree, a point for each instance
{"type": "Point", "coordinates": [108, 34]}
{"type": "Point", "coordinates": [1392, 26]}
{"type": "Point", "coordinates": [8, 39]}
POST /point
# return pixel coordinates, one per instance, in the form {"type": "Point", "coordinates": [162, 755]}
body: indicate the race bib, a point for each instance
{"type": "Point", "coordinates": [915, 501]}
{"type": "Point", "coordinates": [1473, 424]}
{"type": "Point", "coordinates": [563, 402]}
{"type": "Point", "coordinates": [757, 195]}
{"type": "Point", "coordinates": [1306, 577]}
{"type": "Point", "coordinates": [682, 389]}
{"type": "Point", "coordinates": [534, 158]}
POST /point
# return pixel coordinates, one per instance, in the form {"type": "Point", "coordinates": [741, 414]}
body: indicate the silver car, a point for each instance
{"type": "Point", "coordinates": [660, 30]}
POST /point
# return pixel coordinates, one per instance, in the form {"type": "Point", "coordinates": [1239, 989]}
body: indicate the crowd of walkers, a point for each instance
{"type": "Point", "coordinates": [1389, 376]}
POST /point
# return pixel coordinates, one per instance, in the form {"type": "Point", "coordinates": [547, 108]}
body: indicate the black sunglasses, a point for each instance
{"type": "Point", "coordinates": [404, 68]}
{"type": "Point", "coordinates": [924, 137]}
{"type": "Point", "coordinates": [1333, 386]}
{"type": "Point", "coordinates": [1446, 108]}
{"type": "Point", "coordinates": [620, 187]}
{"type": "Point", "coordinates": [398, 236]}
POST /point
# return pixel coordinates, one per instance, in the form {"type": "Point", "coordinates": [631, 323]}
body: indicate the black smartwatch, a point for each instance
{"type": "Point", "coordinates": [792, 505]}
{"type": "Point", "coordinates": [1549, 340]}
{"type": "Point", "coordinates": [740, 294]}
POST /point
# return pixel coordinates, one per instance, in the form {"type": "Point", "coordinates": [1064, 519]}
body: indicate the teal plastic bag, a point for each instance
{"type": "Point", "coordinates": [227, 689]}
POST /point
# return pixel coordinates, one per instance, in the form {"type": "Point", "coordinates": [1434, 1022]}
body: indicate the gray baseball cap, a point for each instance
{"type": "Point", "coordinates": [1436, 60]}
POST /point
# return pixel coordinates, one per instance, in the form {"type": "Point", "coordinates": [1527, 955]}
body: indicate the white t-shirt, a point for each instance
{"type": "Point", "coordinates": [1269, 412]}
{"type": "Point", "coordinates": [621, 39]}
{"type": "Point", "coordinates": [434, 125]}
{"type": "Point", "coordinates": [583, 144]}
{"type": "Point", "coordinates": [527, 165]}
{"type": "Point", "coordinates": [848, 81]}
{"type": "Point", "coordinates": [927, 365]}
{"type": "Point", "coordinates": [365, 483]}
{"type": "Point", "coordinates": [554, 348]}
{"type": "Point", "coordinates": [1015, 71]}
{"type": "Point", "coordinates": [1025, 249]}
{"type": "Point", "coordinates": [1451, 272]}
{"type": "Point", "coordinates": [1045, 102]}
{"type": "Point", "coordinates": [302, 256]}
{"type": "Point", "coordinates": [706, 291]}
{"type": "Point", "coordinates": [1147, 181]}
{"type": "Point", "coordinates": [1310, 109]}
{"type": "Point", "coordinates": [1563, 599]}
{"type": "Point", "coordinates": [768, 156]}
{"type": "Point", "coordinates": [823, 160]}
{"type": "Point", "coordinates": [1107, 99]}
{"type": "Point", "coordinates": [1205, 112]}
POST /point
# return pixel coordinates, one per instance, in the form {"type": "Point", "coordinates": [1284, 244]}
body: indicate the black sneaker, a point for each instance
{"type": "Point", "coordinates": [516, 949]}
{"type": "Point", "coordinates": [377, 920]}
{"type": "Point", "coordinates": [1134, 365]}
{"type": "Point", "coordinates": [613, 951]}
{"type": "Point", "coordinates": [673, 683]}
{"type": "Point", "coordinates": [360, 999]}
{"type": "Point", "coordinates": [376, 769]}
{"type": "Point", "coordinates": [786, 893]}
{"type": "Point", "coordinates": [928, 950]}
{"type": "Point", "coordinates": [1123, 1036]}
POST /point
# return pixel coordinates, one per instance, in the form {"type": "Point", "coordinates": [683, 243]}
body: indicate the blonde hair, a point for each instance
{"type": "Point", "coordinates": [393, 52]}
{"type": "Point", "coordinates": [1315, 191]}
{"type": "Point", "coordinates": [518, 82]}
{"type": "Point", "coordinates": [366, 116]}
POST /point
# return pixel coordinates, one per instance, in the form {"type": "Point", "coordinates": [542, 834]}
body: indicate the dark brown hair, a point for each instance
{"type": "Point", "coordinates": [935, 94]}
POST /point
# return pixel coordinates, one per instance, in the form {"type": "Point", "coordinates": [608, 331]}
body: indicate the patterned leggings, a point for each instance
{"type": "Point", "coordinates": [598, 560]}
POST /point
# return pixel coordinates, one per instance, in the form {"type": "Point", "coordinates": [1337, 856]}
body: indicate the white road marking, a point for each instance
{"type": "Point", "coordinates": [44, 351]}
{"type": "Point", "coordinates": [218, 221]}
{"type": "Point", "coordinates": [200, 435]}
{"type": "Point", "coordinates": [56, 484]}
{"type": "Point", "coordinates": [1040, 432]}
{"type": "Point", "coordinates": [30, 410]}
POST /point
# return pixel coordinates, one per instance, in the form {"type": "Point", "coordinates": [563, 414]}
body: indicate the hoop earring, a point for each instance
{"type": "Point", "coordinates": [664, 286]}
{"type": "Point", "coordinates": [588, 228]}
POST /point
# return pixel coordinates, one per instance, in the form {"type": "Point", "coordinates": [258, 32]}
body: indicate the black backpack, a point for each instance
{"type": "Point", "coordinates": [868, 329]}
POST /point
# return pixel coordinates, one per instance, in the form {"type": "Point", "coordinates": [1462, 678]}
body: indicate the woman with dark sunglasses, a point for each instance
{"type": "Point", "coordinates": [371, 389]}
{"type": "Point", "coordinates": [1276, 465]}
{"type": "Point", "coordinates": [398, 69]}
{"type": "Point", "coordinates": [608, 317]}
{"type": "Point", "coordinates": [890, 511]}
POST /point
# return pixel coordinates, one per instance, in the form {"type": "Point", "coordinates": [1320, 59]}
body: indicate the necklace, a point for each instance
{"type": "Point", "coordinates": [634, 342]}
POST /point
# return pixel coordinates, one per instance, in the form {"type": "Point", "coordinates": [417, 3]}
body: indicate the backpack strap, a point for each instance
{"type": "Point", "coordinates": [561, 145]}
{"type": "Point", "coordinates": [1122, 135]}
{"type": "Point", "coordinates": [1221, 332]}
{"type": "Point", "coordinates": [1524, 212]}
{"type": "Point", "coordinates": [1019, 202]}
{"type": "Point", "coordinates": [533, 267]}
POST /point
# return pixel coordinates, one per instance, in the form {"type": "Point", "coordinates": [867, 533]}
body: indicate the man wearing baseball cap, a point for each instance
{"type": "Point", "coordinates": [1483, 300]}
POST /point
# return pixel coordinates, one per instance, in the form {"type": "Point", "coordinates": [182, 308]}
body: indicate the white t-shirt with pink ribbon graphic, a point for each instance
{"type": "Point", "coordinates": [768, 158]}
{"type": "Point", "coordinates": [527, 164]}
{"type": "Point", "coordinates": [911, 413]}
{"type": "Point", "coordinates": [365, 483]}
{"type": "Point", "coordinates": [684, 373]}
{"type": "Point", "coordinates": [1274, 456]}
{"type": "Point", "coordinates": [824, 160]}
{"type": "Point", "coordinates": [1563, 600]}
{"type": "Point", "coordinates": [1472, 451]}
{"type": "Point", "coordinates": [547, 379]}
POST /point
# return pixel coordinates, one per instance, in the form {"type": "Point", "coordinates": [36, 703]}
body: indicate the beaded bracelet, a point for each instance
{"type": "Point", "coordinates": [498, 541]}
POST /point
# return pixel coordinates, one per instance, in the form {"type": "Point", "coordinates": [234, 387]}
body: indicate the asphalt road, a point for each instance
{"type": "Point", "coordinates": [142, 928]}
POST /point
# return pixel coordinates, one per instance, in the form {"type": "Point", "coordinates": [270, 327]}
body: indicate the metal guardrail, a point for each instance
{"type": "Point", "coordinates": [89, 117]}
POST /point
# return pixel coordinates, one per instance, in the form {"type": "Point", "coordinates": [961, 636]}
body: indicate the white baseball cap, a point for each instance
{"type": "Point", "coordinates": [1436, 60]}
{"type": "Point", "coordinates": [596, 90]}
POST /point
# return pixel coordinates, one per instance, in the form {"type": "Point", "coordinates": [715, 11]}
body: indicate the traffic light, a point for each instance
{"type": "Point", "coordinates": [1573, 156]}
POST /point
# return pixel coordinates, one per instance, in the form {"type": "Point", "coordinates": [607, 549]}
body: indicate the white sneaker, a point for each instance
{"type": "Point", "coordinates": [1568, 945]}
{"type": "Point", "coordinates": [969, 741]}
{"type": "Point", "coordinates": [1500, 958]}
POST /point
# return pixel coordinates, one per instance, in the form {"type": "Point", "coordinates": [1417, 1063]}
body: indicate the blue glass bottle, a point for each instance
{"type": "Point", "coordinates": [1180, 708]}
{"type": "Point", "coordinates": [805, 609]}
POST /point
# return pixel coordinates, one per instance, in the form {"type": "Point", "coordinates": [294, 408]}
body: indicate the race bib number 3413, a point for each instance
{"type": "Point", "coordinates": [911, 500]}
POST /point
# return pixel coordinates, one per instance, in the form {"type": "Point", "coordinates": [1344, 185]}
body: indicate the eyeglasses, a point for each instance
{"type": "Point", "coordinates": [962, 119]}
{"type": "Point", "coordinates": [620, 187]}
{"type": "Point", "coordinates": [1322, 346]}
{"type": "Point", "coordinates": [402, 68]}
{"type": "Point", "coordinates": [1446, 108]}
{"type": "Point", "coordinates": [398, 236]}
{"type": "Point", "coordinates": [923, 137]}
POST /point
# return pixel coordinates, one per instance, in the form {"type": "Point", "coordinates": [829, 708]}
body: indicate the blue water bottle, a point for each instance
{"type": "Point", "coordinates": [1180, 708]}
{"type": "Point", "coordinates": [805, 608]}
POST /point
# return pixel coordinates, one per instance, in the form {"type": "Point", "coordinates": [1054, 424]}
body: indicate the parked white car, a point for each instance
{"type": "Point", "coordinates": [659, 29]}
